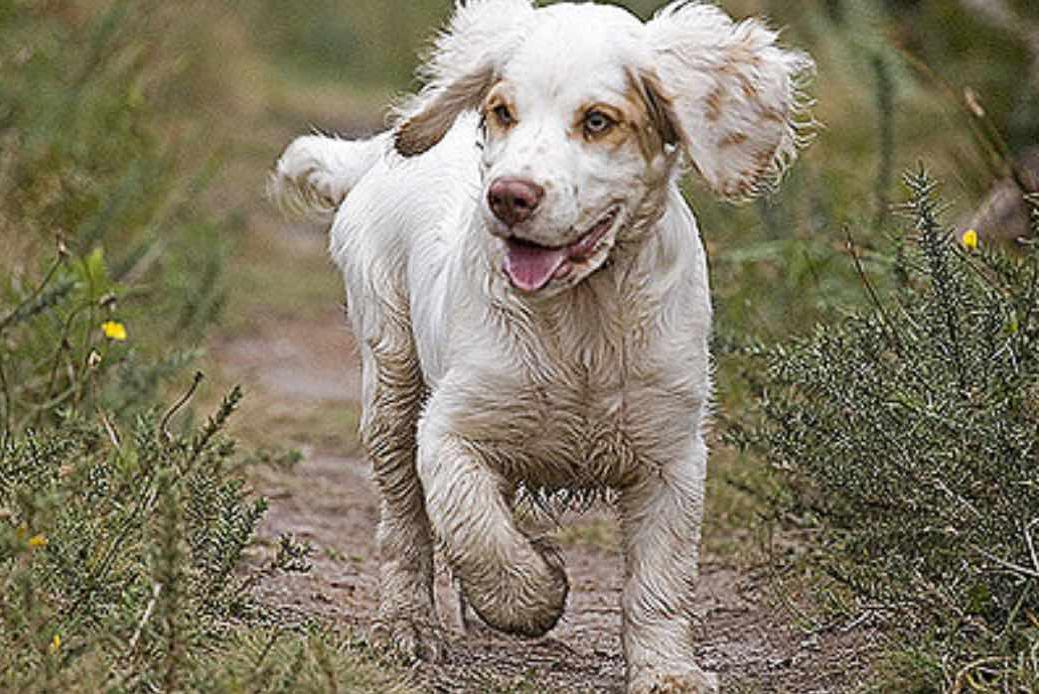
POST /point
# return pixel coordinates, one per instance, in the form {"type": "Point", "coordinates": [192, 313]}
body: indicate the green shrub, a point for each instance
{"type": "Point", "coordinates": [908, 434]}
{"type": "Point", "coordinates": [123, 530]}
{"type": "Point", "coordinates": [120, 554]}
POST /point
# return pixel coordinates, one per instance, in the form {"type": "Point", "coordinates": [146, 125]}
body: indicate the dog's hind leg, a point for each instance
{"type": "Point", "coordinates": [393, 390]}
{"type": "Point", "coordinates": [514, 583]}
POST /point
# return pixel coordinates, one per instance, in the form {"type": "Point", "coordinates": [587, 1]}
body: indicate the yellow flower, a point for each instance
{"type": "Point", "coordinates": [37, 541]}
{"type": "Point", "coordinates": [970, 239]}
{"type": "Point", "coordinates": [114, 330]}
{"type": "Point", "coordinates": [56, 643]}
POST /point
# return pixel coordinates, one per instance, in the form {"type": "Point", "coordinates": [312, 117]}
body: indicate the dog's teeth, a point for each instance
{"type": "Point", "coordinates": [563, 270]}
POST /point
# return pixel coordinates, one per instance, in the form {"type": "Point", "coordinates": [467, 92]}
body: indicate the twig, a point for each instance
{"type": "Point", "coordinates": [10, 317]}
{"type": "Point", "coordinates": [964, 676]}
{"type": "Point", "coordinates": [113, 433]}
{"type": "Point", "coordinates": [1016, 568]}
{"type": "Point", "coordinates": [163, 431]}
{"type": "Point", "coordinates": [872, 292]}
{"type": "Point", "coordinates": [5, 390]}
{"type": "Point", "coordinates": [156, 589]}
{"type": "Point", "coordinates": [1031, 543]}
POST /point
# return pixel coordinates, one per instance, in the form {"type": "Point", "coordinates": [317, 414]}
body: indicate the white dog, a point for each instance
{"type": "Point", "coordinates": [529, 292]}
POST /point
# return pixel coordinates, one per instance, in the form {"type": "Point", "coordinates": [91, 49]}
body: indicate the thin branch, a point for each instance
{"type": "Point", "coordinates": [13, 315]}
{"type": "Point", "coordinates": [156, 589]}
{"type": "Point", "coordinates": [163, 431]}
{"type": "Point", "coordinates": [874, 297]}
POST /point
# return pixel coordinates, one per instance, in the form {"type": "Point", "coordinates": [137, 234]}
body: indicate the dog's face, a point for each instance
{"type": "Point", "coordinates": [585, 111]}
{"type": "Point", "coordinates": [570, 147]}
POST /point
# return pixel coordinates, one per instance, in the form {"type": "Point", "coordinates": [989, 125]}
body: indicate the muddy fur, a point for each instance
{"type": "Point", "coordinates": [481, 383]}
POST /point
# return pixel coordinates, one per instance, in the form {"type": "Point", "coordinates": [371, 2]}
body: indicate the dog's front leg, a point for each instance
{"type": "Point", "coordinates": [514, 584]}
{"type": "Point", "coordinates": [661, 517]}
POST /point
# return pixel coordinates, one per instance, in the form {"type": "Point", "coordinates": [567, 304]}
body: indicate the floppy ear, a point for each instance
{"type": "Point", "coordinates": [730, 94]}
{"type": "Point", "coordinates": [464, 64]}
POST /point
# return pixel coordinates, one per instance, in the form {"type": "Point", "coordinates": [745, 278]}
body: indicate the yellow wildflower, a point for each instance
{"type": "Point", "coordinates": [970, 239]}
{"type": "Point", "coordinates": [37, 541]}
{"type": "Point", "coordinates": [56, 643]}
{"type": "Point", "coordinates": [114, 330]}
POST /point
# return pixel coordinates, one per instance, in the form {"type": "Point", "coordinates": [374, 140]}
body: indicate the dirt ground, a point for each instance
{"type": "Point", "coordinates": [302, 368]}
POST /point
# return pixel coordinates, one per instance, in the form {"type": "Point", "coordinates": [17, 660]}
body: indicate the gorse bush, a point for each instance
{"type": "Point", "coordinates": [124, 530]}
{"type": "Point", "coordinates": [121, 560]}
{"type": "Point", "coordinates": [908, 434]}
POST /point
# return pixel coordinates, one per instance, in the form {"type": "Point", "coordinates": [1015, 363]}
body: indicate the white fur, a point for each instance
{"type": "Point", "coordinates": [599, 379]}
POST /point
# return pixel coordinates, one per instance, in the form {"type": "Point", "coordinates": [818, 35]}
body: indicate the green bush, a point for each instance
{"type": "Point", "coordinates": [123, 529]}
{"type": "Point", "coordinates": [908, 435]}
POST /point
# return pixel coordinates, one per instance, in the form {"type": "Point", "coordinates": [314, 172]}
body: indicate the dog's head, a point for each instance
{"type": "Point", "coordinates": [585, 112]}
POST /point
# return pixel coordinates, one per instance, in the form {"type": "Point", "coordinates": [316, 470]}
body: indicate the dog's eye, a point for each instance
{"type": "Point", "coordinates": [503, 115]}
{"type": "Point", "coordinates": [597, 123]}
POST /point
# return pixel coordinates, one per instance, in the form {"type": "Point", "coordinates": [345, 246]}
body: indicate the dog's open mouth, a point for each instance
{"type": "Point", "coordinates": [531, 267]}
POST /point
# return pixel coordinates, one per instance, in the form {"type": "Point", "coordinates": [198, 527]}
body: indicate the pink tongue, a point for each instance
{"type": "Point", "coordinates": [531, 267]}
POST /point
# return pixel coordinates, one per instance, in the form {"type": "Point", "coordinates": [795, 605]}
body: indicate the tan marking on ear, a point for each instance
{"type": "Point", "coordinates": [733, 139]}
{"type": "Point", "coordinates": [660, 108]}
{"type": "Point", "coordinates": [773, 114]}
{"type": "Point", "coordinates": [763, 159]}
{"type": "Point", "coordinates": [713, 105]}
{"type": "Point", "coordinates": [432, 113]}
{"type": "Point", "coordinates": [409, 140]}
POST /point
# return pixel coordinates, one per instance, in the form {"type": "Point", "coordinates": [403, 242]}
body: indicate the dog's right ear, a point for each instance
{"type": "Point", "coordinates": [461, 69]}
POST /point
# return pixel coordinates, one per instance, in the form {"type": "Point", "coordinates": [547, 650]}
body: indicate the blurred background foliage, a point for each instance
{"type": "Point", "coordinates": [134, 138]}
{"type": "Point", "coordinates": [890, 92]}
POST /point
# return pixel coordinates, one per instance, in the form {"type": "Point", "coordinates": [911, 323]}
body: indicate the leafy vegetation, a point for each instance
{"type": "Point", "coordinates": [126, 557]}
{"type": "Point", "coordinates": [906, 434]}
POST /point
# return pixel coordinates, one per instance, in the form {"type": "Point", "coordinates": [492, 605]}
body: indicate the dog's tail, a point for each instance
{"type": "Point", "coordinates": [315, 172]}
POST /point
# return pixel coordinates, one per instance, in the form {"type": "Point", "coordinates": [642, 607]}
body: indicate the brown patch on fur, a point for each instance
{"type": "Point", "coordinates": [773, 114]}
{"type": "Point", "coordinates": [408, 141]}
{"type": "Point", "coordinates": [659, 106]}
{"type": "Point", "coordinates": [747, 87]}
{"type": "Point", "coordinates": [733, 139]}
{"type": "Point", "coordinates": [713, 105]}
{"type": "Point", "coordinates": [763, 159]}
{"type": "Point", "coordinates": [652, 126]}
{"type": "Point", "coordinates": [435, 111]}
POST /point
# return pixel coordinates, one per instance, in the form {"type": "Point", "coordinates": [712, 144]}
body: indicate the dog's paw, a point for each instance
{"type": "Point", "coordinates": [526, 601]}
{"type": "Point", "coordinates": [409, 639]}
{"type": "Point", "coordinates": [691, 682]}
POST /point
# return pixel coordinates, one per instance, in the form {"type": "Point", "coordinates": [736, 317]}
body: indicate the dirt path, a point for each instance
{"type": "Point", "coordinates": [306, 373]}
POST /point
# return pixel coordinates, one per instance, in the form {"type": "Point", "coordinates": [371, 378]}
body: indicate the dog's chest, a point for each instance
{"type": "Point", "coordinates": [590, 417]}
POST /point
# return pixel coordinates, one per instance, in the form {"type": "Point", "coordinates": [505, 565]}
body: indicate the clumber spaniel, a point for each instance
{"type": "Point", "coordinates": [529, 293]}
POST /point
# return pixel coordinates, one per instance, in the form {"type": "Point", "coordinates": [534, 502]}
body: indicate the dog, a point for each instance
{"type": "Point", "coordinates": [529, 294]}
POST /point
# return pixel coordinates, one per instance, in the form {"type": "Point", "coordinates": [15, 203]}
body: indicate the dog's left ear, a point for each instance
{"type": "Point", "coordinates": [729, 95]}
{"type": "Point", "coordinates": [461, 69]}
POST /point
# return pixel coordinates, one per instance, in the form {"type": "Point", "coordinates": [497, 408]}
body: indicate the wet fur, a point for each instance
{"type": "Point", "coordinates": [473, 390]}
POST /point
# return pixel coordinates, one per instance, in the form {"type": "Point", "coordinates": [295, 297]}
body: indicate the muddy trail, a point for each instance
{"type": "Point", "coordinates": [304, 368]}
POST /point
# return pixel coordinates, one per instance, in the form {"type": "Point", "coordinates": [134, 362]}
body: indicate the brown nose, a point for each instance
{"type": "Point", "coordinates": [514, 200]}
